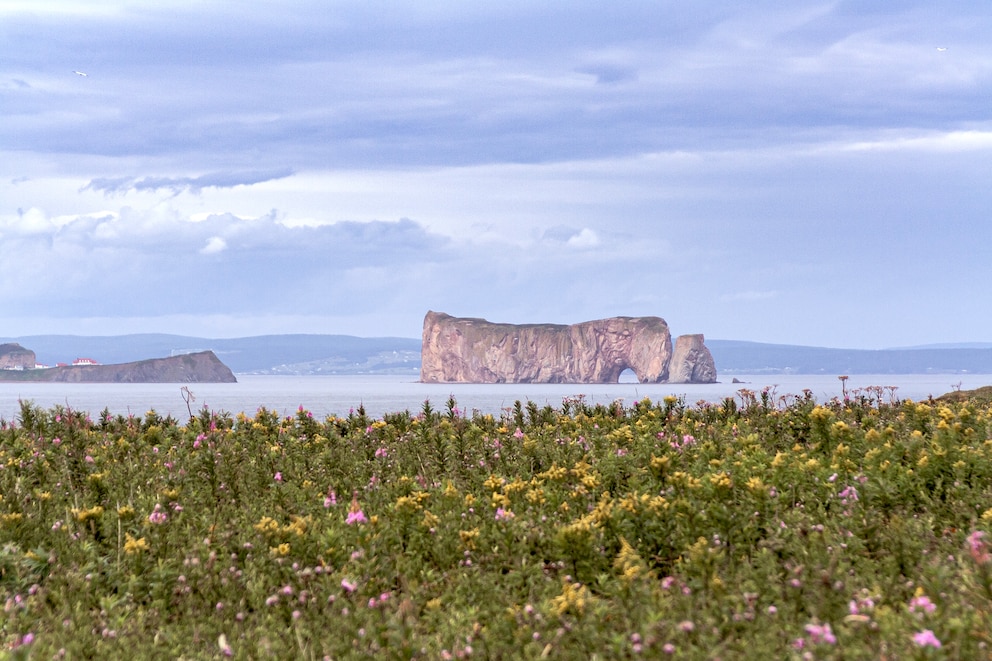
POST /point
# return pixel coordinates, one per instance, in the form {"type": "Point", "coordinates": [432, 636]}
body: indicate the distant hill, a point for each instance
{"type": "Point", "coordinates": [262, 354]}
{"type": "Point", "coordinates": [346, 354]}
{"type": "Point", "coordinates": [203, 367]}
{"type": "Point", "coordinates": [737, 357]}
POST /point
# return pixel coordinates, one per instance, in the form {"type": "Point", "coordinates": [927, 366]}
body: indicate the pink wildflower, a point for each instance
{"type": "Point", "coordinates": [518, 434]}
{"type": "Point", "coordinates": [502, 514]}
{"type": "Point", "coordinates": [978, 548]}
{"type": "Point", "coordinates": [355, 513]}
{"type": "Point", "coordinates": [926, 638]}
{"type": "Point", "coordinates": [277, 477]}
{"type": "Point", "coordinates": [821, 633]}
{"type": "Point", "coordinates": [157, 516]}
{"type": "Point", "coordinates": [922, 603]}
{"type": "Point", "coordinates": [347, 585]}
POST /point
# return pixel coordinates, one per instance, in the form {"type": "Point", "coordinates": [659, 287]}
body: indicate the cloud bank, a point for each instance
{"type": "Point", "coordinates": [813, 174]}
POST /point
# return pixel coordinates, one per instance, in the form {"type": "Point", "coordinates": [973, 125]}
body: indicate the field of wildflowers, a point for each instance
{"type": "Point", "coordinates": [761, 527]}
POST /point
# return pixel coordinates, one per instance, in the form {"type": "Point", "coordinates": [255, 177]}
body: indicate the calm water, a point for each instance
{"type": "Point", "coordinates": [325, 395]}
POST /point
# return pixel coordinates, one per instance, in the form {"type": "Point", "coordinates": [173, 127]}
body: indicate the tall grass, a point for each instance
{"type": "Point", "coordinates": [755, 528]}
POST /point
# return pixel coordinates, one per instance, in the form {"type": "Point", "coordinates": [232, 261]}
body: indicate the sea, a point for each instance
{"type": "Point", "coordinates": [378, 394]}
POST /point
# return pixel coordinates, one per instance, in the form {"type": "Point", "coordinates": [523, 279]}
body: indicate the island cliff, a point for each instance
{"type": "Point", "coordinates": [15, 357]}
{"type": "Point", "coordinates": [201, 367]}
{"type": "Point", "coordinates": [463, 350]}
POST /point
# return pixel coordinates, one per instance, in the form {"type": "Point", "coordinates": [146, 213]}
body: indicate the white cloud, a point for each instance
{"type": "Point", "coordinates": [215, 244]}
{"type": "Point", "coordinates": [945, 141]}
{"type": "Point", "coordinates": [584, 239]}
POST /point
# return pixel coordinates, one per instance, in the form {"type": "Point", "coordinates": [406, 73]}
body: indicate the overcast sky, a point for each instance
{"type": "Point", "coordinates": [811, 173]}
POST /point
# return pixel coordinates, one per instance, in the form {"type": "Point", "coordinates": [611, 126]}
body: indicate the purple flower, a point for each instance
{"type": "Point", "coordinates": [278, 476]}
{"type": "Point", "coordinates": [347, 585]}
{"type": "Point", "coordinates": [926, 638]}
{"type": "Point", "coordinates": [518, 434]}
{"type": "Point", "coordinates": [502, 514]}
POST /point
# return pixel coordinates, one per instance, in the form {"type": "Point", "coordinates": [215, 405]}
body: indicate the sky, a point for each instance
{"type": "Point", "coordinates": [814, 173]}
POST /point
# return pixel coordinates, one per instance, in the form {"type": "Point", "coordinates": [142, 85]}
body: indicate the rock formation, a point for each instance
{"type": "Point", "coordinates": [201, 367]}
{"type": "Point", "coordinates": [691, 361]}
{"type": "Point", "coordinates": [461, 350]}
{"type": "Point", "coordinates": [15, 357]}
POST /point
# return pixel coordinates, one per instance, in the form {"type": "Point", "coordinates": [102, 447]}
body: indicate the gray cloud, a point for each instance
{"type": "Point", "coordinates": [636, 158]}
{"type": "Point", "coordinates": [518, 84]}
{"type": "Point", "coordinates": [177, 185]}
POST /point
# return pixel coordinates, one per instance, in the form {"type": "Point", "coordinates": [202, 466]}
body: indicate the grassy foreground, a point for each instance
{"type": "Point", "coordinates": [763, 527]}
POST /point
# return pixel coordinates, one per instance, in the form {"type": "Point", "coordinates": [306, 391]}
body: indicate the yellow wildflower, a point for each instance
{"type": "Point", "coordinates": [573, 599]}
{"type": "Point", "coordinates": [554, 473]}
{"type": "Point", "coordinates": [756, 486]}
{"type": "Point", "coordinates": [267, 526]}
{"type": "Point", "coordinates": [94, 512]}
{"type": "Point", "coordinates": [430, 520]}
{"type": "Point", "coordinates": [468, 538]}
{"type": "Point", "coordinates": [629, 562]}
{"type": "Point", "coordinates": [298, 525]}
{"type": "Point", "coordinates": [659, 464]}
{"type": "Point", "coordinates": [279, 551]}
{"type": "Point", "coordinates": [720, 480]}
{"type": "Point", "coordinates": [132, 545]}
{"type": "Point", "coordinates": [492, 483]}
{"type": "Point", "coordinates": [407, 505]}
{"type": "Point", "coordinates": [536, 496]}
{"type": "Point", "coordinates": [513, 487]}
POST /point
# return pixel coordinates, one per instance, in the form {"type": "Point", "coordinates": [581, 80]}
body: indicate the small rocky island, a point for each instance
{"type": "Point", "coordinates": [19, 364]}
{"type": "Point", "coordinates": [465, 350]}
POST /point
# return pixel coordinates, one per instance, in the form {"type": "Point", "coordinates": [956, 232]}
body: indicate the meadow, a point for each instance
{"type": "Point", "coordinates": [765, 526]}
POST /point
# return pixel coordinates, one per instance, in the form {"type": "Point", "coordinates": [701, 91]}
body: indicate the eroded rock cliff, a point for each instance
{"type": "Point", "coordinates": [15, 357]}
{"type": "Point", "coordinates": [465, 350]}
{"type": "Point", "coordinates": [691, 362]}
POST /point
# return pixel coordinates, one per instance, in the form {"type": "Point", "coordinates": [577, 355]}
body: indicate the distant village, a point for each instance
{"type": "Point", "coordinates": [14, 357]}
{"type": "Point", "coordinates": [40, 366]}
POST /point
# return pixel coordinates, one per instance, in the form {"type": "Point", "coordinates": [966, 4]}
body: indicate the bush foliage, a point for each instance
{"type": "Point", "coordinates": [759, 527]}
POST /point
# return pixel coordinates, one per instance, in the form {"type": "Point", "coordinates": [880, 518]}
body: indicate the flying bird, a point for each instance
{"type": "Point", "coordinates": [940, 49]}
{"type": "Point", "coordinates": [80, 73]}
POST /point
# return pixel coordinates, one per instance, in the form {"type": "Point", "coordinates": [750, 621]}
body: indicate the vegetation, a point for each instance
{"type": "Point", "coordinates": [761, 527]}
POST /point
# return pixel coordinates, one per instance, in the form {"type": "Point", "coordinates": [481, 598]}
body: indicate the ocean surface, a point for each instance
{"type": "Point", "coordinates": [337, 395]}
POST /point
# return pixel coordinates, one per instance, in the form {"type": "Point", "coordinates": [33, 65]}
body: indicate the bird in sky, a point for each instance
{"type": "Point", "coordinates": [80, 73]}
{"type": "Point", "coordinates": [941, 49]}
